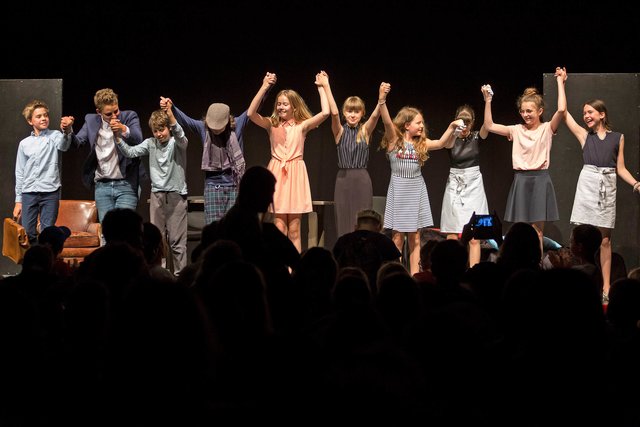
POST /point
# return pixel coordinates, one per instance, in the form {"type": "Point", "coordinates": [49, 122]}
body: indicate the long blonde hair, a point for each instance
{"type": "Point", "coordinates": [300, 110]}
{"type": "Point", "coordinates": [405, 116]}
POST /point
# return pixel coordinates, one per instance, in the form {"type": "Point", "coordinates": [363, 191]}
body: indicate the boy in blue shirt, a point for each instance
{"type": "Point", "coordinates": [38, 165]}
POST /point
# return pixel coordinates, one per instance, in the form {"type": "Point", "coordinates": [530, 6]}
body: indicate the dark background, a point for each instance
{"type": "Point", "coordinates": [436, 55]}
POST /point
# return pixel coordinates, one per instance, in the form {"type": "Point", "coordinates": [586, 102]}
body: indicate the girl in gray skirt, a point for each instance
{"type": "Point", "coordinates": [353, 189]}
{"type": "Point", "coordinates": [595, 199]}
{"type": "Point", "coordinates": [532, 198]}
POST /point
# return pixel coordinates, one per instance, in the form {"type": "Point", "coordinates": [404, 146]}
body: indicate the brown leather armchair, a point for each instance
{"type": "Point", "coordinates": [81, 216]}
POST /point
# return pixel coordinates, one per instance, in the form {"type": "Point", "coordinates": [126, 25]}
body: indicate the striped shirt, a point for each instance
{"type": "Point", "coordinates": [405, 162]}
{"type": "Point", "coordinates": [352, 154]}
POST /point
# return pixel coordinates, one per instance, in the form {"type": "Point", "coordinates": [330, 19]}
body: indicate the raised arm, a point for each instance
{"type": "Point", "coordinates": [578, 131]}
{"type": "Point", "coordinates": [390, 133]}
{"type": "Point", "coordinates": [336, 126]}
{"type": "Point", "coordinates": [66, 124]}
{"type": "Point", "coordinates": [559, 115]}
{"type": "Point", "coordinates": [372, 121]}
{"type": "Point", "coordinates": [448, 137]}
{"type": "Point", "coordinates": [66, 127]}
{"type": "Point", "coordinates": [488, 124]}
{"type": "Point", "coordinates": [322, 82]}
{"type": "Point", "coordinates": [483, 132]}
{"type": "Point", "coordinates": [196, 126]}
{"type": "Point", "coordinates": [168, 108]}
{"type": "Point", "coordinates": [456, 134]}
{"type": "Point", "coordinates": [252, 112]}
{"type": "Point", "coordinates": [129, 128]}
{"type": "Point", "coordinates": [176, 129]}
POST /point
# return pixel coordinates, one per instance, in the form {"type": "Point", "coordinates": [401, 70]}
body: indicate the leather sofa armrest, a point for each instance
{"type": "Point", "coordinates": [95, 228]}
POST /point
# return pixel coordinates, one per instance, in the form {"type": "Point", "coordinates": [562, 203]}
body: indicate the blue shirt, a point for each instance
{"type": "Point", "coordinates": [38, 162]}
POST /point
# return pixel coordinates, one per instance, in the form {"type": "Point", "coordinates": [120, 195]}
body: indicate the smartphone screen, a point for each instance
{"type": "Point", "coordinates": [484, 221]}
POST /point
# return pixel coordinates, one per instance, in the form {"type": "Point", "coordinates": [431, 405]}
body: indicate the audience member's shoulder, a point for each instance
{"type": "Point", "coordinates": [485, 269]}
{"type": "Point", "coordinates": [276, 240]}
{"type": "Point", "coordinates": [270, 228]}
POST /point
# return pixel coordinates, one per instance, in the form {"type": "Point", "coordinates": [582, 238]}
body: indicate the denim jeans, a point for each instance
{"type": "Point", "coordinates": [44, 205]}
{"type": "Point", "coordinates": [115, 194]}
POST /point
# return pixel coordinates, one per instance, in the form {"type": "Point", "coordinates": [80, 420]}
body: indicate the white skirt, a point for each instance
{"type": "Point", "coordinates": [595, 199]}
{"type": "Point", "coordinates": [463, 195]}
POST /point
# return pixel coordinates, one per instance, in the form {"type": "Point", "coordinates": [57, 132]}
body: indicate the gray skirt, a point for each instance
{"type": "Point", "coordinates": [353, 192]}
{"type": "Point", "coordinates": [532, 198]}
{"type": "Point", "coordinates": [595, 199]}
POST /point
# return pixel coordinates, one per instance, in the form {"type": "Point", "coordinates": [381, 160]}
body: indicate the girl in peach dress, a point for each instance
{"type": "Point", "coordinates": [287, 127]}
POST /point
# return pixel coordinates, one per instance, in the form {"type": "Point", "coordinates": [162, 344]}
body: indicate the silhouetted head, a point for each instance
{"type": "Point", "coordinates": [154, 246]}
{"type": "Point", "coordinates": [123, 225]}
{"type": "Point", "coordinates": [585, 241]}
{"type": "Point", "coordinates": [521, 247]}
{"type": "Point", "coordinates": [55, 237]}
{"type": "Point", "coordinates": [448, 261]}
{"type": "Point", "coordinates": [38, 259]}
{"type": "Point", "coordinates": [369, 219]}
{"type": "Point", "coordinates": [256, 189]}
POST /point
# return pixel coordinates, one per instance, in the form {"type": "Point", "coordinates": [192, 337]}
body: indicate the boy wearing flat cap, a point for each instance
{"type": "Point", "coordinates": [223, 160]}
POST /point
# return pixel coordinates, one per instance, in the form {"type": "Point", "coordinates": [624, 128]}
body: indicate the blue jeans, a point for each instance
{"type": "Point", "coordinates": [44, 205]}
{"type": "Point", "coordinates": [115, 194]}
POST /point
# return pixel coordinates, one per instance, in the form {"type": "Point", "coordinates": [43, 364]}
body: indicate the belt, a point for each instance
{"type": "Point", "coordinates": [109, 180]}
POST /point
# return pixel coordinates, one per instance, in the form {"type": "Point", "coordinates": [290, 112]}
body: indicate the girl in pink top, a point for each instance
{"type": "Point", "coordinates": [532, 198]}
{"type": "Point", "coordinates": [287, 127]}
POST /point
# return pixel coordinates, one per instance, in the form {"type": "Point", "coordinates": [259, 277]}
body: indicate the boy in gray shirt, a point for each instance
{"type": "Point", "coordinates": [167, 151]}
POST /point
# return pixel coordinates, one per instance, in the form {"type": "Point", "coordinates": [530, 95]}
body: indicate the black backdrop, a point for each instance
{"type": "Point", "coordinates": [436, 55]}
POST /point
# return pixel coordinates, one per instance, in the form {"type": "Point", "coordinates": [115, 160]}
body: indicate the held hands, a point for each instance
{"type": "Point", "coordinates": [166, 104]}
{"type": "Point", "coordinates": [322, 79]}
{"type": "Point", "coordinates": [458, 126]}
{"type": "Point", "coordinates": [385, 88]}
{"type": "Point", "coordinates": [269, 79]}
{"type": "Point", "coordinates": [117, 127]}
{"type": "Point", "coordinates": [66, 124]}
{"type": "Point", "coordinates": [562, 73]}
{"type": "Point", "coordinates": [487, 92]}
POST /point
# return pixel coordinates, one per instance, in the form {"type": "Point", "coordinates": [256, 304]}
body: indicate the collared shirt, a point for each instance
{"type": "Point", "coordinates": [167, 161]}
{"type": "Point", "coordinates": [38, 162]}
{"type": "Point", "coordinates": [107, 154]}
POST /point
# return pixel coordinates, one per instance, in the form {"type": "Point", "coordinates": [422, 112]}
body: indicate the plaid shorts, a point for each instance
{"type": "Point", "coordinates": [217, 201]}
